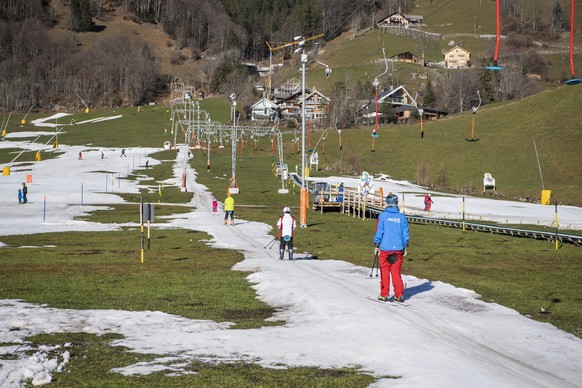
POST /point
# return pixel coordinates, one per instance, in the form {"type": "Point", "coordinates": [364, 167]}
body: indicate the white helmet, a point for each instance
{"type": "Point", "coordinates": [286, 209]}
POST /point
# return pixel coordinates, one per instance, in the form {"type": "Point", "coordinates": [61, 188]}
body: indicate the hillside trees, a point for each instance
{"type": "Point", "coordinates": [200, 25]}
{"type": "Point", "coordinates": [455, 89]}
{"type": "Point", "coordinates": [557, 22]}
{"type": "Point", "coordinates": [281, 20]}
{"type": "Point", "coordinates": [429, 99]}
{"type": "Point", "coordinates": [520, 15]}
{"type": "Point", "coordinates": [19, 10]}
{"type": "Point", "coordinates": [331, 15]}
{"type": "Point", "coordinates": [246, 25]}
{"type": "Point", "coordinates": [513, 82]}
{"type": "Point", "coordinates": [487, 87]}
{"type": "Point", "coordinates": [123, 72]}
{"type": "Point", "coordinates": [81, 19]}
{"type": "Point", "coordinates": [261, 20]}
{"type": "Point", "coordinates": [38, 72]}
{"type": "Point", "coordinates": [196, 24]}
{"type": "Point", "coordinates": [308, 18]}
{"type": "Point", "coordinates": [343, 108]}
{"type": "Point", "coordinates": [148, 10]}
{"type": "Point", "coordinates": [230, 76]}
{"type": "Point", "coordinates": [145, 10]}
{"type": "Point", "coordinates": [463, 85]}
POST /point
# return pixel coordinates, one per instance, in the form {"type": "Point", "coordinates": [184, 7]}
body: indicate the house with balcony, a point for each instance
{"type": "Point", "coordinates": [397, 19]}
{"type": "Point", "coordinates": [265, 110]}
{"type": "Point", "coordinates": [403, 106]}
{"type": "Point", "coordinates": [402, 102]}
{"type": "Point", "coordinates": [406, 57]}
{"type": "Point", "coordinates": [457, 58]}
{"type": "Point", "coordinates": [286, 90]}
{"type": "Point", "coordinates": [316, 104]}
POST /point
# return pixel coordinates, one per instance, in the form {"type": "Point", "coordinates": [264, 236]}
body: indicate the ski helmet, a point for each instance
{"type": "Point", "coordinates": [392, 200]}
{"type": "Point", "coordinates": [286, 209]}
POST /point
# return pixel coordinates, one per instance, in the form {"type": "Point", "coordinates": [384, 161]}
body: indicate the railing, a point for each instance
{"type": "Point", "coordinates": [370, 206]}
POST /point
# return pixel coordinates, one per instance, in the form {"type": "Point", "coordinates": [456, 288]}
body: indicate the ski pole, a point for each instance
{"type": "Point", "coordinates": [374, 264]}
{"type": "Point", "coordinates": [270, 243]}
{"type": "Point", "coordinates": [273, 242]}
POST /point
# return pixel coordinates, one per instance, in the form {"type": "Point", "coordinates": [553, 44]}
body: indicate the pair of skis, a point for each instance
{"type": "Point", "coordinates": [271, 244]}
{"type": "Point", "coordinates": [390, 302]}
{"type": "Point", "coordinates": [376, 265]}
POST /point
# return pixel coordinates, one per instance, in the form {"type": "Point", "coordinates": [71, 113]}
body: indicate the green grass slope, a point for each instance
{"type": "Point", "coordinates": [505, 149]}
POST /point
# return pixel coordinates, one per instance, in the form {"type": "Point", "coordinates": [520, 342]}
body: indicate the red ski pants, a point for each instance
{"type": "Point", "coordinates": [393, 271]}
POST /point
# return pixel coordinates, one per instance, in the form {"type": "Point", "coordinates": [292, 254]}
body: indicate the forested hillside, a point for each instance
{"type": "Point", "coordinates": [126, 52]}
{"type": "Point", "coordinates": [40, 71]}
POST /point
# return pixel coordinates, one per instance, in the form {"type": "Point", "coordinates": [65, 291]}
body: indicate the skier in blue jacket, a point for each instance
{"type": "Point", "coordinates": [390, 243]}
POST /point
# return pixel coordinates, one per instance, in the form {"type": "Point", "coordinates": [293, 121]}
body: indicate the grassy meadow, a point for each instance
{"type": "Point", "coordinates": [506, 133]}
{"type": "Point", "coordinates": [182, 275]}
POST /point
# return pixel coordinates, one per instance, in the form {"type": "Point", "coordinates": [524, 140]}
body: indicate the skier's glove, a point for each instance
{"type": "Point", "coordinates": [405, 252]}
{"type": "Point", "coordinates": [376, 249]}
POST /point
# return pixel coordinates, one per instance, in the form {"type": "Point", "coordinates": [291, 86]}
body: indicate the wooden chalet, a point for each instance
{"type": "Point", "coordinates": [407, 57]}
{"type": "Point", "coordinates": [396, 97]}
{"type": "Point", "coordinates": [265, 110]}
{"type": "Point", "coordinates": [403, 105]}
{"type": "Point", "coordinates": [316, 104]}
{"type": "Point", "coordinates": [457, 58]}
{"type": "Point", "coordinates": [397, 19]}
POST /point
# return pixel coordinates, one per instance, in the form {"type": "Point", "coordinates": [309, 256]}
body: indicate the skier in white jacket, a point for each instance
{"type": "Point", "coordinates": [286, 225]}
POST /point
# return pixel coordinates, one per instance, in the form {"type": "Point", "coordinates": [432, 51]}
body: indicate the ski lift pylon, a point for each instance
{"type": "Point", "coordinates": [495, 66]}
{"type": "Point", "coordinates": [573, 80]}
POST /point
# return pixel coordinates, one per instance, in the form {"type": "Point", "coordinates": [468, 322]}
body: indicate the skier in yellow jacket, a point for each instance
{"type": "Point", "coordinates": [229, 209]}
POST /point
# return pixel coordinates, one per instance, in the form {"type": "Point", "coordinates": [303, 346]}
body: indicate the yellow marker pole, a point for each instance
{"type": "Point", "coordinates": [141, 223]}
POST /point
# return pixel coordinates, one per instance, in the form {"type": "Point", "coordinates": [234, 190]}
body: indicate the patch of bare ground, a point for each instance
{"type": "Point", "coordinates": [115, 22]}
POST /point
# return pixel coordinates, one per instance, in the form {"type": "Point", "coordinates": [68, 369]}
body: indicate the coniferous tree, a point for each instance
{"type": "Point", "coordinates": [387, 112]}
{"type": "Point", "coordinates": [429, 97]}
{"type": "Point", "coordinates": [557, 21]}
{"type": "Point", "coordinates": [308, 18]}
{"type": "Point", "coordinates": [487, 86]}
{"type": "Point", "coordinates": [81, 20]}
